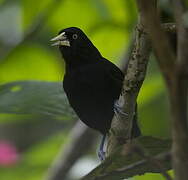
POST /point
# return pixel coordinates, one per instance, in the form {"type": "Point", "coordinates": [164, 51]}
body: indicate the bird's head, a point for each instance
{"type": "Point", "coordinates": [75, 45]}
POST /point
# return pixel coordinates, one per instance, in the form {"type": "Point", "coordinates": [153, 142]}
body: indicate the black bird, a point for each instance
{"type": "Point", "coordinates": [91, 82]}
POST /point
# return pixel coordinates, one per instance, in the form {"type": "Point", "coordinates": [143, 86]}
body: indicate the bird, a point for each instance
{"type": "Point", "coordinates": [91, 82]}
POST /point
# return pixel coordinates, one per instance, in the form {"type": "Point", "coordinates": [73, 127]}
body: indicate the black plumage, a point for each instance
{"type": "Point", "coordinates": [91, 82]}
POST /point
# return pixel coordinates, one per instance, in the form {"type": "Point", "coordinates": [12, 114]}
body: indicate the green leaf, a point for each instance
{"type": "Point", "coordinates": [35, 97]}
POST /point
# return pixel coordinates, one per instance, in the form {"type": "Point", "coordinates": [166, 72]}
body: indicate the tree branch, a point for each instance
{"type": "Point", "coordinates": [125, 161]}
{"type": "Point", "coordinates": [180, 12]}
{"type": "Point", "coordinates": [81, 139]}
{"type": "Point", "coordinates": [178, 97]}
{"type": "Point", "coordinates": [176, 75]}
{"type": "Point", "coordinates": [121, 126]}
{"type": "Point", "coordinates": [166, 57]}
{"type": "Point", "coordinates": [156, 163]}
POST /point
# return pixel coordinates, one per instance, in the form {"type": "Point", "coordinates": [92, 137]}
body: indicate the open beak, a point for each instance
{"type": "Point", "coordinates": [60, 40]}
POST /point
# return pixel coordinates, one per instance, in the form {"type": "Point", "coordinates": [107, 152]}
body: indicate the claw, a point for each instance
{"type": "Point", "coordinates": [101, 155]}
{"type": "Point", "coordinates": [101, 152]}
{"type": "Point", "coordinates": [117, 109]}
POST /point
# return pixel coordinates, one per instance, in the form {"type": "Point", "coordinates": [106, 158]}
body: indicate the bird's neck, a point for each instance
{"type": "Point", "coordinates": [82, 58]}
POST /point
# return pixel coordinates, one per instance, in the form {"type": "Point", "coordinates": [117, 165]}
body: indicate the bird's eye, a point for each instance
{"type": "Point", "coordinates": [74, 36]}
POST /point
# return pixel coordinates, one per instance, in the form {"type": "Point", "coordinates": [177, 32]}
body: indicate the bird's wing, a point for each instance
{"type": "Point", "coordinates": [114, 74]}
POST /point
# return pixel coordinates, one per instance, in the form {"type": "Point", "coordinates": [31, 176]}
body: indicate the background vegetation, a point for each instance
{"type": "Point", "coordinates": [35, 121]}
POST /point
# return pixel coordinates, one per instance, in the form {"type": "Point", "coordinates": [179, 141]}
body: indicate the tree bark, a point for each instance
{"type": "Point", "coordinates": [175, 71]}
{"type": "Point", "coordinates": [121, 127]}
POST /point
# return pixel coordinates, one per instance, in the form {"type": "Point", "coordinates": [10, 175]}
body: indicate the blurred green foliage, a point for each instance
{"type": "Point", "coordinates": [110, 26]}
{"type": "Point", "coordinates": [30, 61]}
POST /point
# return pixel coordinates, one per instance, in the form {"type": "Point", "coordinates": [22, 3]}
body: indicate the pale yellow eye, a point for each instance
{"type": "Point", "coordinates": [74, 36]}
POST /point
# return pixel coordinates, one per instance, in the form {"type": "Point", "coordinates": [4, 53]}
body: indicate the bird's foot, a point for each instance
{"type": "Point", "coordinates": [101, 151]}
{"type": "Point", "coordinates": [101, 155]}
{"type": "Point", "coordinates": [118, 109]}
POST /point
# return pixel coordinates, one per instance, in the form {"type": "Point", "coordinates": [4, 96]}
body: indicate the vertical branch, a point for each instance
{"type": "Point", "coordinates": [160, 42]}
{"type": "Point", "coordinates": [176, 75]}
{"type": "Point", "coordinates": [121, 125]}
{"type": "Point", "coordinates": [179, 95]}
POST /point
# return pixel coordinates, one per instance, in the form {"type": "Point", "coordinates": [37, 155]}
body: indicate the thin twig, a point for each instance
{"type": "Point", "coordinates": [160, 157]}
{"type": "Point", "coordinates": [127, 169]}
{"type": "Point", "coordinates": [152, 160]}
